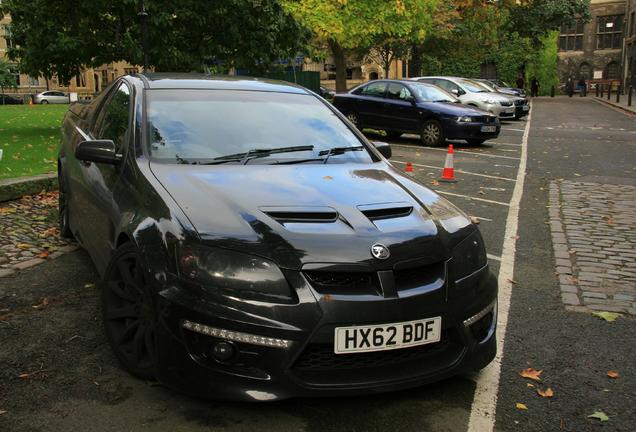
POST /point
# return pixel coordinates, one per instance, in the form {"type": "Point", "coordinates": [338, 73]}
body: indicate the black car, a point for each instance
{"type": "Point", "coordinates": [5, 99]}
{"type": "Point", "coordinates": [253, 245]}
{"type": "Point", "coordinates": [398, 107]}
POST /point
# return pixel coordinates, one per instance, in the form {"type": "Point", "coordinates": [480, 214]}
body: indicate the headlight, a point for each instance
{"type": "Point", "coordinates": [451, 218]}
{"type": "Point", "coordinates": [245, 276]}
{"type": "Point", "coordinates": [489, 101]}
{"type": "Point", "coordinates": [468, 256]}
{"type": "Point", "coordinates": [464, 119]}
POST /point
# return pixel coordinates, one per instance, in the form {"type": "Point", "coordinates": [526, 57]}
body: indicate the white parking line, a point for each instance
{"type": "Point", "coordinates": [513, 129]}
{"type": "Point", "coordinates": [456, 151]}
{"type": "Point", "coordinates": [457, 170]}
{"type": "Point", "coordinates": [493, 257]}
{"type": "Point", "coordinates": [471, 197]}
{"type": "Point", "coordinates": [502, 143]}
{"type": "Point", "coordinates": [483, 410]}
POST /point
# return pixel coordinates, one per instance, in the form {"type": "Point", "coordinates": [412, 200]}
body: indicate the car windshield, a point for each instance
{"type": "Point", "coordinates": [431, 93]}
{"type": "Point", "coordinates": [472, 86]}
{"type": "Point", "coordinates": [208, 126]}
{"type": "Point", "coordinates": [487, 85]}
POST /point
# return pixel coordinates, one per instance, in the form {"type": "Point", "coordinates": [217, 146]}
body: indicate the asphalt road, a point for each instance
{"type": "Point", "coordinates": [57, 372]}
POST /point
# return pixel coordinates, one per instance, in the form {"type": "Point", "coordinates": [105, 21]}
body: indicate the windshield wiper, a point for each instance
{"type": "Point", "coordinates": [336, 151]}
{"type": "Point", "coordinates": [245, 157]}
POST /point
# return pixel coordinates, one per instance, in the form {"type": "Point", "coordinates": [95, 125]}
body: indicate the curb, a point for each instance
{"type": "Point", "coordinates": [613, 105]}
{"type": "Point", "coordinates": [23, 265]}
{"type": "Point", "coordinates": [11, 189]}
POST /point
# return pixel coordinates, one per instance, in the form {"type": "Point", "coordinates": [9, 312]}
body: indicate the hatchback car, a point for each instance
{"type": "Point", "coordinates": [522, 104]}
{"type": "Point", "coordinates": [54, 97]}
{"type": "Point", "coordinates": [398, 107]}
{"type": "Point", "coordinates": [471, 93]}
{"type": "Point", "coordinates": [253, 245]}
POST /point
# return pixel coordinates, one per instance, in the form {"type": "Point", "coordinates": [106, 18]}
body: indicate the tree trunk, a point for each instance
{"type": "Point", "coordinates": [341, 66]}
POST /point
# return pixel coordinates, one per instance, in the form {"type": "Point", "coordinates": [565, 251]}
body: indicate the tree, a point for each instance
{"type": "Point", "coordinates": [7, 77]}
{"type": "Point", "coordinates": [61, 37]}
{"type": "Point", "coordinates": [343, 25]}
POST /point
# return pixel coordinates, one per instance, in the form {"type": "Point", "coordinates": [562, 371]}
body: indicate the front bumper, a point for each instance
{"type": "Point", "coordinates": [522, 110]}
{"type": "Point", "coordinates": [307, 366]}
{"type": "Point", "coordinates": [503, 112]}
{"type": "Point", "coordinates": [470, 130]}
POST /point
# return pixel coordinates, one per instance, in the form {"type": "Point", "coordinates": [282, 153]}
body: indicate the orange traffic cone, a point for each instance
{"type": "Point", "coordinates": [31, 101]}
{"type": "Point", "coordinates": [448, 175]}
{"type": "Point", "coordinates": [409, 167]}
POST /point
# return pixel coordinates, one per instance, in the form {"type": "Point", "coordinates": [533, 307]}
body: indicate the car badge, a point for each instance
{"type": "Point", "coordinates": [380, 251]}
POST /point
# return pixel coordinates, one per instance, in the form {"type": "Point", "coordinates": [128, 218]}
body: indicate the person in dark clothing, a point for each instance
{"type": "Point", "coordinates": [569, 87]}
{"type": "Point", "coordinates": [534, 87]}
{"type": "Point", "coordinates": [582, 86]}
{"type": "Point", "coordinates": [521, 82]}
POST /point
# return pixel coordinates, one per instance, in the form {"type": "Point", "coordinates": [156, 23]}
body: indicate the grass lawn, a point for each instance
{"type": "Point", "coordinates": [29, 138]}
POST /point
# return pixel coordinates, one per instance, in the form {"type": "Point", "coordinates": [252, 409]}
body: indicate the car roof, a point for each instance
{"type": "Point", "coordinates": [401, 81]}
{"type": "Point", "coordinates": [217, 82]}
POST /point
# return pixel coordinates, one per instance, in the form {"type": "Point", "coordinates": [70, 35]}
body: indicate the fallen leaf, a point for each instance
{"type": "Point", "coordinates": [532, 374]}
{"type": "Point", "coordinates": [434, 182]}
{"type": "Point", "coordinates": [89, 285]}
{"type": "Point", "coordinates": [2, 412]}
{"type": "Point", "coordinates": [547, 393]}
{"type": "Point", "coordinates": [521, 406]}
{"type": "Point", "coordinates": [43, 254]}
{"type": "Point", "coordinates": [613, 374]}
{"type": "Point", "coordinates": [475, 220]}
{"type": "Point", "coordinates": [24, 376]}
{"type": "Point", "coordinates": [607, 316]}
{"type": "Point", "coordinates": [23, 246]}
{"type": "Point", "coordinates": [572, 252]}
{"type": "Point", "coordinates": [44, 303]}
{"type": "Point", "coordinates": [512, 281]}
{"type": "Point", "coordinates": [599, 415]}
{"type": "Point", "coordinates": [530, 385]}
{"type": "Point", "coordinates": [481, 192]}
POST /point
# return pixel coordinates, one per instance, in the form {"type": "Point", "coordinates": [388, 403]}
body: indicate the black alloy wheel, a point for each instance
{"type": "Point", "coordinates": [432, 133]}
{"type": "Point", "coordinates": [353, 118]}
{"type": "Point", "coordinates": [62, 206]}
{"type": "Point", "coordinates": [129, 314]}
{"type": "Point", "coordinates": [392, 134]}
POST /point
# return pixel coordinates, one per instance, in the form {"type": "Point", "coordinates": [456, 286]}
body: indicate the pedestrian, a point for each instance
{"type": "Point", "coordinates": [582, 86]}
{"type": "Point", "coordinates": [521, 83]}
{"type": "Point", "coordinates": [569, 87]}
{"type": "Point", "coordinates": [534, 87]}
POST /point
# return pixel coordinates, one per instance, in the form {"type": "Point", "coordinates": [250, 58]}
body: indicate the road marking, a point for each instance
{"type": "Point", "coordinates": [457, 170]}
{"type": "Point", "coordinates": [483, 410]}
{"type": "Point", "coordinates": [483, 218]}
{"type": "Point", "coordinates": [513, 129]}
{"type": "Point", "coordinates": [509, 150]}
{"type": "Point", "coordinates": [471, 198]}
{"type": "Point", "coordinates": [507, 166]}
{"type": "Point", "coordinates": [502, 143]}
{"type": "Point", "coordinates": [493, 257]}
{"type": "Point", "coordinates": [456, 151]}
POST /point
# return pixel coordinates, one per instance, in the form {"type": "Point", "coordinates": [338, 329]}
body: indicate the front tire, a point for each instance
{"type": "Point", "coordinates": [129, 314]}
{"type": "Point", "coordinates": [432, 133]}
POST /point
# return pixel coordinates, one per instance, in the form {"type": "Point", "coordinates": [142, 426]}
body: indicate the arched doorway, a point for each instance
{"type": "Point", "coordinates": [373, 76]}
{"type": "Point", "coordinates": [96, 79]}
{"type": "Point", "coordinates": [611, 71]}
{"type": "Point", "coordinates": [585, 71]}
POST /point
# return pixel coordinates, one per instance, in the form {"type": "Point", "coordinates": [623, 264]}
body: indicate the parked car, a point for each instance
{"type": "Point", "coordinates": [502, 87]}
{"type": "Point", "coordinates": [522, 104]}
{"type": "Point", "coordinates": [5, 99]}
{"type": "Point", "coordinates": [471, 93]}
{"type": "Point", "coordinates": [327, 93]}
{"type": "Point", "coordinates": [253, 245]}
{"type": "Point", "coordinates": [54, 97]}
{"type": "Point", "coordinates": [401, 106]}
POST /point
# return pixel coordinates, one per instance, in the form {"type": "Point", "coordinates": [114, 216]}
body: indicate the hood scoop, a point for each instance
{"type": "Point", "coordinates": [382, 211]}
{"type": "Point", "coordinates": [285, 215]}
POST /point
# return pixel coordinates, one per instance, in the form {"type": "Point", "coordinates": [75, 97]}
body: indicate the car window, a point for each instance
{"type": "Point", "coordinates": [114, 121]}
{"type": "Point", "coordinates": [398, 92]}
{"type": "Point", "coordinates": [375, 89]}
{"type": "Point", "coordinates": [200, 125]}
{"type": "Point", "coordinates": [448, 86]}
{"type": "Point", "coordinates": [473, 86]}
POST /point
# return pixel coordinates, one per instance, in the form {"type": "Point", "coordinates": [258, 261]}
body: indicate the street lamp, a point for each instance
{"type": "Point", "coordinates": [142, 14]}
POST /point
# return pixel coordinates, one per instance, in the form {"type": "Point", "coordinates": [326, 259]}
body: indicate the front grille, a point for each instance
{"type": "Point", "coordinates": [418, 276]}
{"type": "Point", "coordinates": [320, 357]}
{"type": "Point", "coordinates": [326, 282]}
{"type": "Point", "coordinates": [521, 102]}
{"type": "Point", "coordinates": [506, 103]}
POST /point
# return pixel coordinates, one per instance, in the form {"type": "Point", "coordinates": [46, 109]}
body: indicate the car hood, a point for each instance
{"type": "Point", "coordinates": [306, 213]}
{"type": "Point", "coordinates": [491, 95]}
{"type": "Point", "coordinates": [453, 109]}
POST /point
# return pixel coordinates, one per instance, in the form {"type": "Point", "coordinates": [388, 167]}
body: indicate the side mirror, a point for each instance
{"type": "Point", "coordinates": [383, 148]}
{"type": "Point", "coordinates": [455, 91]}
{"type": "Point", "coordinates": [100, 151]}
{"type": "Point", "coordinates": [412, 100]}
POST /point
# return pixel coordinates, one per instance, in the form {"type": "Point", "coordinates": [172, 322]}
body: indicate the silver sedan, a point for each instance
{"type": "Point", "coordinates": [54, 97]}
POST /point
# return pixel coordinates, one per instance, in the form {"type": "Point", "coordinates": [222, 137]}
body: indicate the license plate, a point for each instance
{"type": "Point", "coordinates": [489, 128]}
{"type": "Point", "coordinates": [356, 339]}
{"type": "Point", "coordinates": [526, 107]}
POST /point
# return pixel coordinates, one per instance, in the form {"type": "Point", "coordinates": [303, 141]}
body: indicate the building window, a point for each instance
{"type": "Point", "coordinates": [571, 38]}
{"type": "Point", "coordinates": [8, 36]}
{"type": "Point", "coordinates": [488, 70]}
{"type": "Point", "coordinates": [80, 80]}
{"type": "Point", "coordinates": [632, 30]}
{"type": "Point", "coordinates": [611, 71]}
{"type": "Point", "coordinates": [34, 81]}
{"type": "Point", "coordinates": [609, 32]}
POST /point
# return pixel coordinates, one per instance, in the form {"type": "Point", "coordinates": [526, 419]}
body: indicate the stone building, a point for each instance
{"type": "Point", "coordinates": [629, 56]}
{"type": "Point", "coordinates": [594, 50]}
{"type": "Point", "coordinates": [86, 84]}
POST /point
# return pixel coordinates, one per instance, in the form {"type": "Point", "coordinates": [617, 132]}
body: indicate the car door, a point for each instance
{"type": "Point", "coordinates": [102, 181]}
{"type": "Point", "coordinates": [60, 98]}
{"type": "Point", "coordinates": [370, 100]}
{"type": "Point", "coordinates": [450, 87]}
{"type": "Point", "coordinates": [399, 112]}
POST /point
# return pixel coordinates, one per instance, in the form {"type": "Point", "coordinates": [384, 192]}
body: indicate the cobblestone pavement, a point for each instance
{"type": "Point", "coordinates": [593, 230]}
{"type": "Point", "coordinates": [29, 232]}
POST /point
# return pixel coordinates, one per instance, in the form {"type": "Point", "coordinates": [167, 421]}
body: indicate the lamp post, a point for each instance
{"type": "Point", "coordinates": [143, 15]}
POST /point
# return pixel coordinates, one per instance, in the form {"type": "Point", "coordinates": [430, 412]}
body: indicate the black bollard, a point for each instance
{"type": "Point", "coordinates": [597, 89]}
{"type": "Point", "coordinates": [618, 94]}
{"type": "Point", "coordinates": [552, 91]}
{"type": "Point", "coordinates": [609, 91]}
{"type": "Point", "coordinates": [602, 89]}
{"type": "Point", "coordinates": [629, 96]}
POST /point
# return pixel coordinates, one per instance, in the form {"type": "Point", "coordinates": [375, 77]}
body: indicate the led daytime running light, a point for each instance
{"type": "Point", "coordinates": [235, 336]}
{"type": "Point", "coordinates": [473, 319]}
